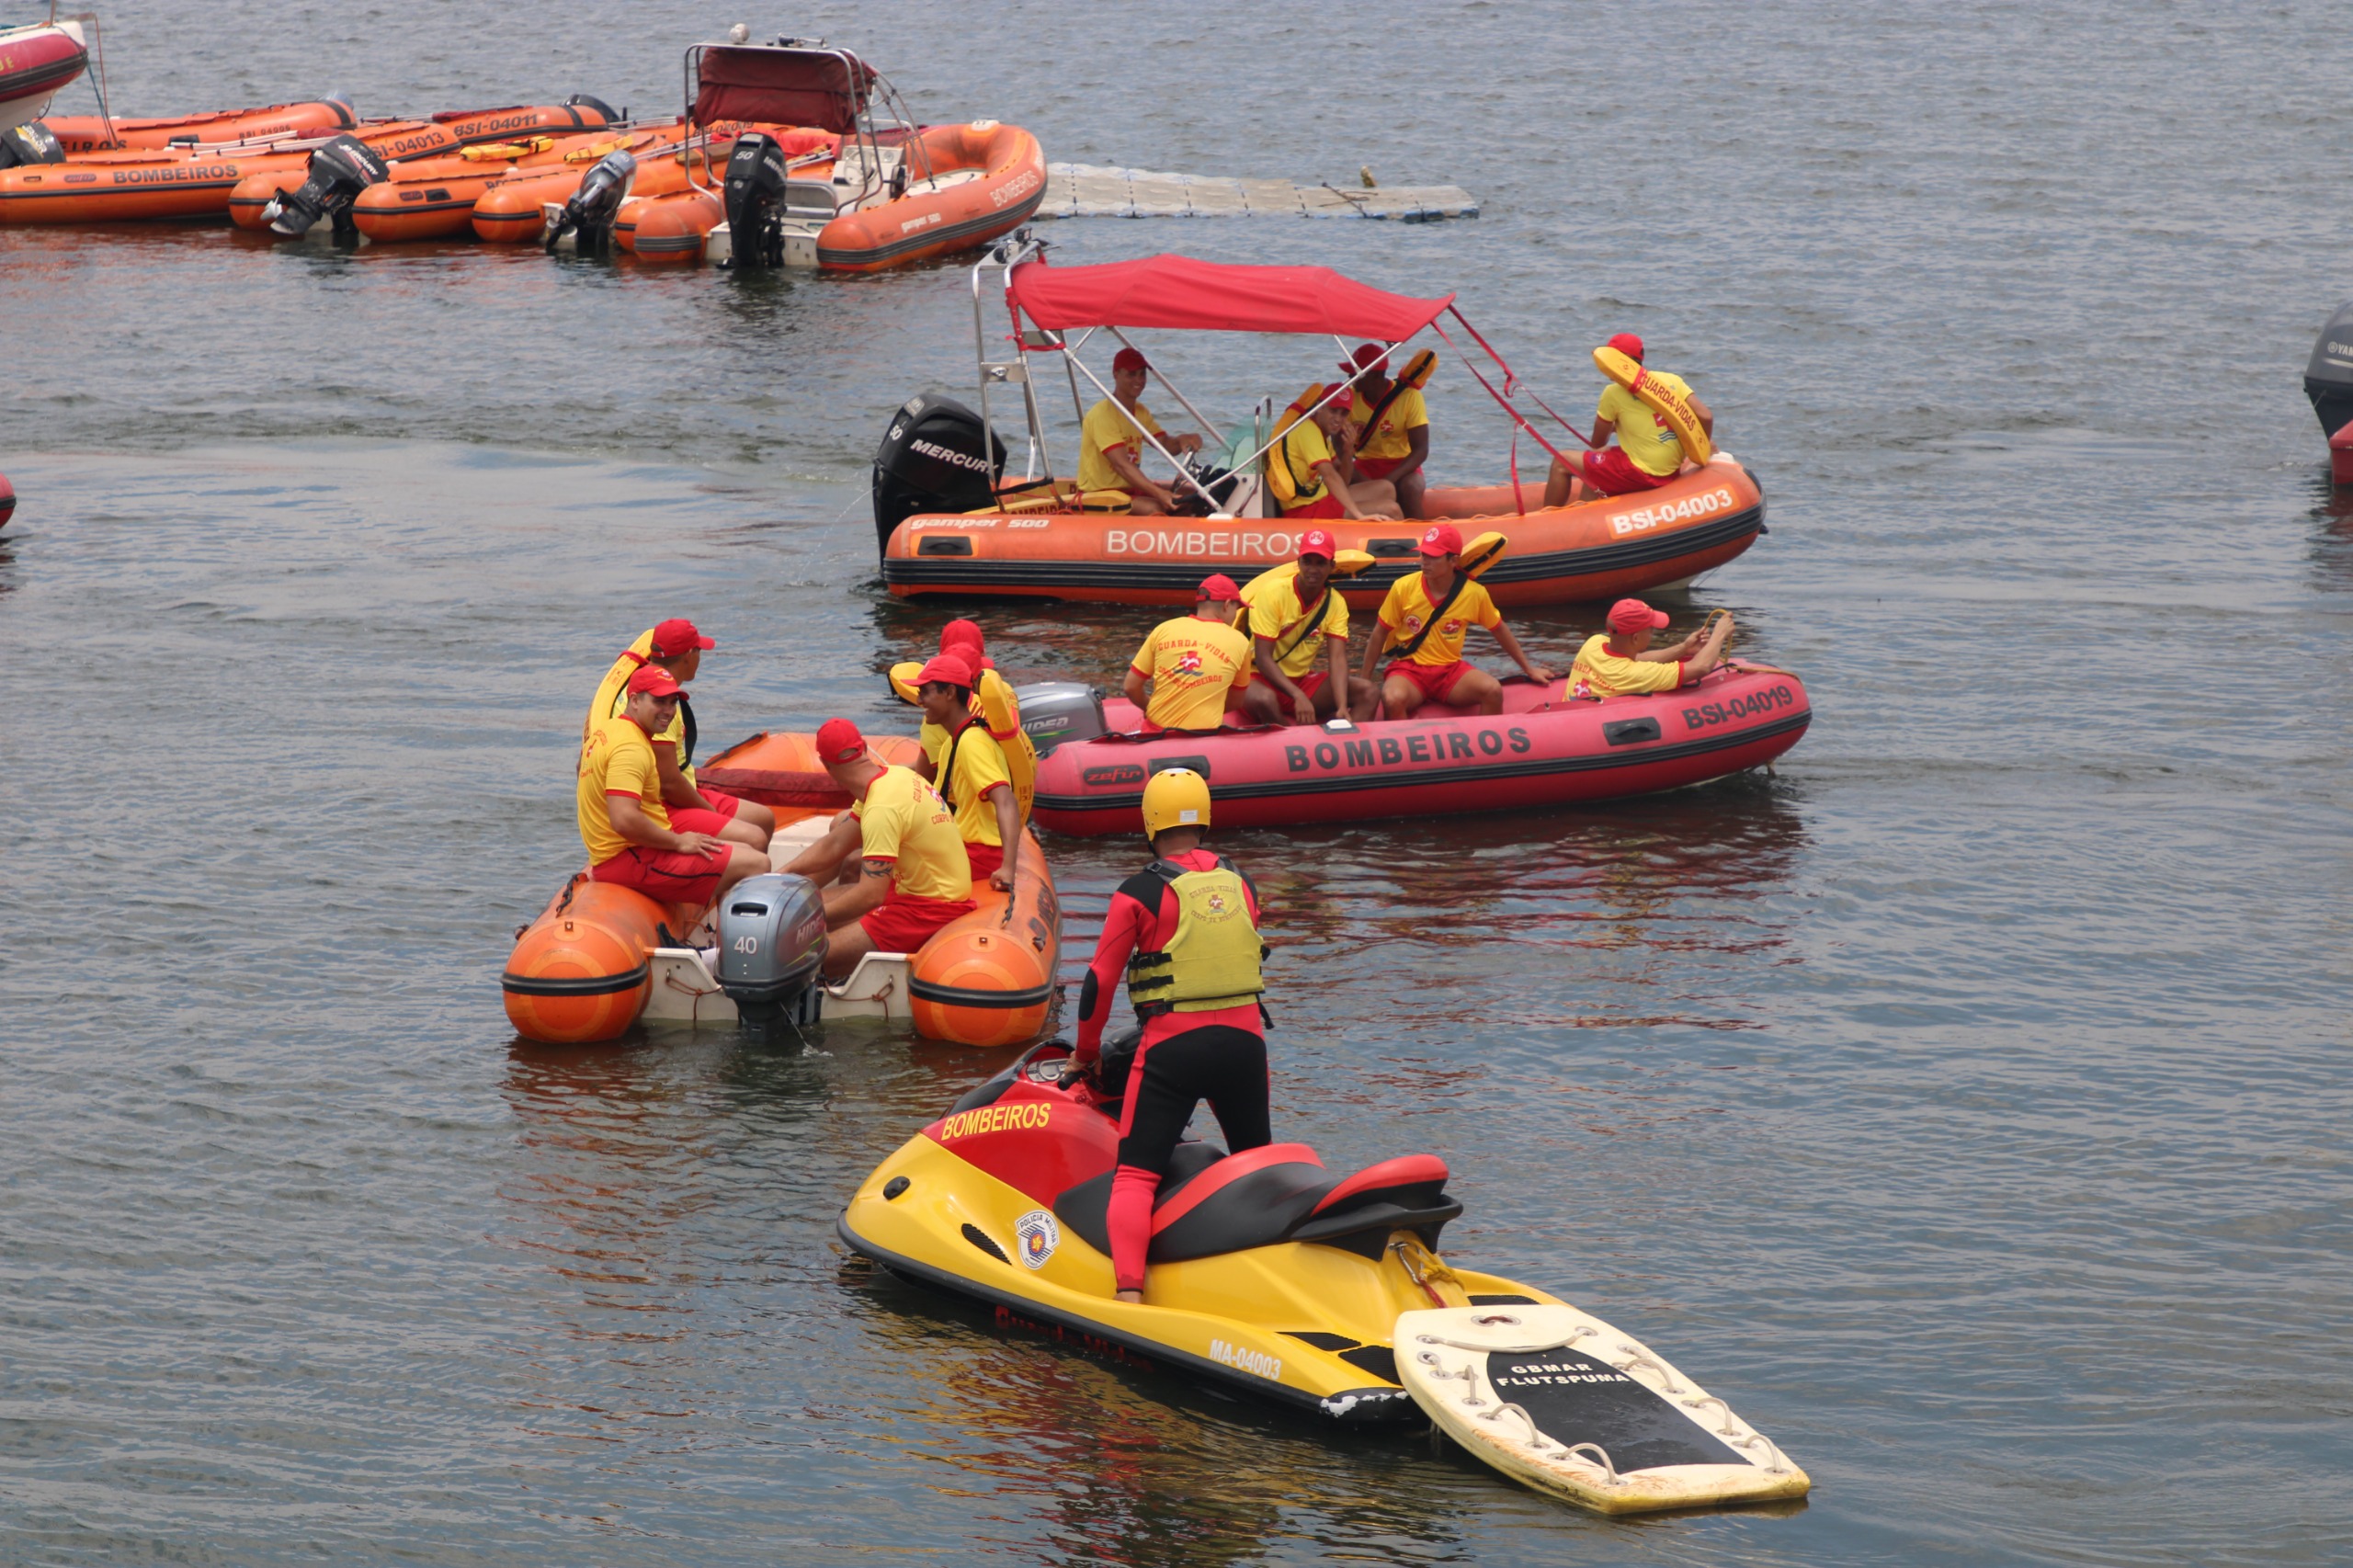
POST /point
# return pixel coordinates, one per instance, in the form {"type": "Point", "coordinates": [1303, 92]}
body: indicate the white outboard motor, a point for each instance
{"type": "Point", "coordinates": [1054, 712]}
{"type": "Point", "coordinates": [757, 172]}
{"type": "Point", "coordinates": [339, 172]}
{"type": "Point", "coordinates": [771, 944]}
{"type": "Point", "coordinates": [588, 216]}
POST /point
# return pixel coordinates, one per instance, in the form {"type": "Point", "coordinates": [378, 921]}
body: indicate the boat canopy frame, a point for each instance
{"type": "Point", "coordinates": [798, 81]}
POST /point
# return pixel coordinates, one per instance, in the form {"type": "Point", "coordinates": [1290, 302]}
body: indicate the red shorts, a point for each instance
{"type": "Point", "coordinates": [1329, 507]}
{"type": "Point", "coordinates": [721, 806]}
{"type": "Point", "coordinates": [1435, 680]}
{"type": "Point", "coordinates": [667, 876]}
{"type": "Point", "coordinates": [1378, 468]}
{"type": "Point", "coordinates": [694, 819]}
{"type": "Point", "coordinates": [904, 923]}
{"type": "Point", "coordinates": [985, 859]}
{"type": "Point", "coordinates": [1310, 682]}
{"type": "Point", "coordinates": [1612, 473]}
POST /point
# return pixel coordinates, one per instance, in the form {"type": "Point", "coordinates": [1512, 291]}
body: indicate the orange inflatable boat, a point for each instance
{"type": "Point", "coordinates": [429, 199]}
{"type": "Point", "coordinates": [600, 958]}
{"type": "Point", "coordinates": [81, 134]}
{"type": "Point", "coordinates": [514, 209]}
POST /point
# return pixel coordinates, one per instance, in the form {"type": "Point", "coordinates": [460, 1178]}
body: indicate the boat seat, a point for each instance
{"type": "Point", "coordinates": [1211, 1202]}
{"type": "Point", "coordinates": [1084, 1208]}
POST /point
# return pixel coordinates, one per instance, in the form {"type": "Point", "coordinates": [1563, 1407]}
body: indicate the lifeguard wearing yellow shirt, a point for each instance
{"type": "Point", "coordinates": [1423, 622]}
{"type": "Point", "coordinates": [631, 838]}
{"type": "Point", "coordinates": [915, 876]}
{"type": "Point", "coordinates": [967, 765]}
{"type": "Point", "coordinates": [675, 646]}
{"type": "Point", "coordinates": [1392, 427]}
{"type": "Point", "coordinates": [1111, 446]}
{"type": "Point", "coordinates": [1194, 663]}
{"type": "Point", "coordinates": [1647, 454]}
{"type": "Point", "coordinates": [1621, 662]}
{"type": "Point", "coordinates": [1297, 622]}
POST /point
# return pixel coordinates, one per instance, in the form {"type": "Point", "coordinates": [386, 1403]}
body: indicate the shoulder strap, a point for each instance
{"type": "Point", "coordinates": [686, 731]}
{"type": "Point", "coordinates": [947, 764]}
{"type": "Point", "coordinates": [1313, 619]}
{"type": "Point", "coordinates": [1397, 389]}
{"type": "Point", "coordinates": [1413, 645]}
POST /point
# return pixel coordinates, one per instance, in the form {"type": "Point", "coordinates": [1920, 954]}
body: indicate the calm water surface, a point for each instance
{"type": "Point", "coordinates": [1967, 1102]}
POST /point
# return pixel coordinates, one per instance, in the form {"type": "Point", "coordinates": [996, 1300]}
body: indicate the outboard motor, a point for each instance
{"type": "Point", "coordinates": [591, 101]}
{"type": "Point", "coordinates": [339, 172]}
{"type": "Point", "coordinates": [756, 173]}
{"type": "Point", "coordinates": [771, 944]}
{"type": "Point", "coordinates": [934, 458]}
{"type": "Point", "coordinates": [31, 142]}
{"type": "Point", "coordinates": [2329, 375]}
{"type": "Point", "coordinates": [1054, 712]}
{"type": "Point", "coordinates": [593, 207]}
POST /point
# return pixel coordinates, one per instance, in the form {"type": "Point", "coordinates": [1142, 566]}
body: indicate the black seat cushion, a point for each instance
{"type": "Point", "coordinates": [1085, 1207]}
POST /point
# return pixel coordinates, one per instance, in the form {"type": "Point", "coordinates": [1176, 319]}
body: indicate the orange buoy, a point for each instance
{"type": "Point", "coordinates": [986, 980]}
{"type": "Point", "coordinates": [582, 971]}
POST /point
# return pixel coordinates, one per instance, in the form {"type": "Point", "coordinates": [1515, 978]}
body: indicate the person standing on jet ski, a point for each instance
{"type": "Point", "coordinates": [1184, 931]}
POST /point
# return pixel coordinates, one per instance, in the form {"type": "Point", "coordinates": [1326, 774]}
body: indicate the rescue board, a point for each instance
{"type": "Point", "coordinates": [1562, 1402]}
{"type": "Point", "coordinates": [1670, 406]}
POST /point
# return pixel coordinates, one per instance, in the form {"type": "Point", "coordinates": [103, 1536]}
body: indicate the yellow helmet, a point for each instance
{"type": "Point", "coordinates": [1176, 797]}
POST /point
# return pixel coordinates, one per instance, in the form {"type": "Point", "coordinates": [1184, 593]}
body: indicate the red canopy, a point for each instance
{"type": "Point", "coordinates": [821, 88]}
{"type": "Point", "coordinates": [1210, 296]}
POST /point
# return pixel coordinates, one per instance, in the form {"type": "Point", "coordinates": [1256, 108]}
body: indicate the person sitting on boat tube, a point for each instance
{"type": "Point", "coordinates": [632, 839]}
{"type": "Point", "coordinates": [1111, 443]}
{"type": "Point", "coordinates": [1304, 467]}
{"type": "Point", "coordinates": [1297, 620]}
{"type": "Point", "coordinates": [1183, 932]}
{"type": "Point", "coordinates": [1390, 422]}
{"type": "Point", "coordinates": [965, 763]}
{"type": "Point", "coordinates": [675, 646]}
{"type": "Point", "coordinates": [1194, 662]}
{"type": "Point", "coordinates": [1647, 454]}
{"type": "Point", "coordinates": [913, 874]}
{"type": "Point", "coordinates": [1421, 629]}
{"type": "Point", "coordinates": [1621, 662]}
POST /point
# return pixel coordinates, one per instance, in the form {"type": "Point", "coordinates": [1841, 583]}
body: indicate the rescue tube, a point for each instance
{"type": "Point", "coordinates": [985, 179]}
{"type": "Point", "coordinates": [1673, 412]}
{"type": "Point", "coordinates": [581, 973]}
{"type": "Point", "coordinates": [1596, 550]}
{"type": "Point", "coordinates": [1543, 750]}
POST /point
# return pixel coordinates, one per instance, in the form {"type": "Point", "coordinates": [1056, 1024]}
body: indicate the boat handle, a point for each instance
{"type": "Point", "coordinates": [1727, 1429]}
{"type": "Point", "coordinates": [1642, 1361]}
{"type": "Point", "coordinates": [1780, 1465]}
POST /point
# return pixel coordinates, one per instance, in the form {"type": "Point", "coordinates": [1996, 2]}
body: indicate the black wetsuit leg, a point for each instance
{"type": "Point", "coordinates": [1219, 1064]}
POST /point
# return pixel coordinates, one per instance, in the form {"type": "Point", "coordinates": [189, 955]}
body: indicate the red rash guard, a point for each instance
{"type": "Point", "coordinates": [1131, 925]}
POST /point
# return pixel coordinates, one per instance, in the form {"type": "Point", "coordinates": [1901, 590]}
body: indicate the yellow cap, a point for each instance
{"type": "Point", "coordinates": [1176, 797]}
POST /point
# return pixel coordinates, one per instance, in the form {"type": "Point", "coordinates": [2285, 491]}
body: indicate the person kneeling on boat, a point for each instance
{"type": "Point", "coordinates": [963, 761]}
{"type": "Point", "coordinates": [1647, 454]}
{"type": "Point", "coordinates": [914, 876]}
{"type": "Point", "coordinates": [1305, 465]}
{"type": "Point", "coordinates": [1112, 443]}
{"type": "Point", "coordinates": [676, 646]}
{"type": "Point", "coordinates": [1621, 662]}
{"type": "Point", "coordinates": [632, 839]}
{"type": "Point", "coordinates": [1194, 662]}
{"type": "Point", "coordinates": [1184, 933]}
{"type": "Point", "coordinates": [1297, 620]}
{"type": "Point", "coordinates": [1423, 622]}
{"type": "Point", "coordinates": [1390, 424]}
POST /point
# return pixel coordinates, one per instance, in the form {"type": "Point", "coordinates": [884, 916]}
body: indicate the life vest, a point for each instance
{"type": "Point", "coordinates": [1283, 477]}
{"type": "Point", "coordinates": [1214, 959]}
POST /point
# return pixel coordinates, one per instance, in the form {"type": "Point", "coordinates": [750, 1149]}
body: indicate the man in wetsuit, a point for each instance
{"type": "Point", "coordinates": [1184, 932]}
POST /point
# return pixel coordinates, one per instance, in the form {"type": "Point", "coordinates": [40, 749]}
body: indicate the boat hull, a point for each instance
{"type": "Point", "coordinates": [36, 64]}
{"type": "Point", "coordinates": [1011, 182]}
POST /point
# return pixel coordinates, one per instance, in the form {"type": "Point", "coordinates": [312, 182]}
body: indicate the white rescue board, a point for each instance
{"type": "Point", "coordinates": [1562, 1402]}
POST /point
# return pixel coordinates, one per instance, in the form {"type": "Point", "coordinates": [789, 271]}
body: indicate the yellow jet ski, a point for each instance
{"type": "Point", "coordinates": [1271, 1275]}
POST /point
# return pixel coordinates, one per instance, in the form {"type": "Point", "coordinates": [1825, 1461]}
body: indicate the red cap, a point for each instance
{"type": "Point", "coordinates": [1130, 359]}
{"type": "Point", "coordinates": [1220, 587]}
{"type": "Point", "coordinates": [1442, 539]}
{"type": "Point", "coordinates": [1626, 343]}
{"type": "Point", "coordinates": [1633, 615]}
{"type": "Point", "coordinates": [838, 740]}
{"type": "Point", "coordinates": [673, 638]}
{"type": "Point", "coordinates": [1363, 359]}
{"type": "Point", "coordinates": [1318, 542]}
{"type": "Point", "coordinates": [1343, 399]}
{"type": "Point", "coordinates": [964, 637]}
{"type": "Point", "coordinates": [654, 679]}
{"type": "Point", "coordinates": [950, 667]}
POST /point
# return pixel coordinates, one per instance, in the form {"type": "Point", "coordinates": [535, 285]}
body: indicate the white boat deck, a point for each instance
{"type": "Point", "coordinates": [1090, 190]}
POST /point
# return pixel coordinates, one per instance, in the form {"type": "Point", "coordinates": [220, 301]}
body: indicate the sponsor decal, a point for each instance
{"type": "Point", "coordinates": [959, 524]}
{"type": "Point", "coordinates": [1427, 749]}
{"type": "Point", "coordinates": [938, 453]}
{"type": "Point", "coordinates": [1544, 1374]}
{"type": "Point", "coordinates": [922, 223]}
{"type": "Point", "coordinates": [1039, 1235]}
{"type": "Point", "coordinates": [1007, 1318]}
{"type": "Point", "coordinates": [1700, 715]}
{"type": "Point", "coordinates": [1258, 1363]}
{"type": "Point", "coordinates": [182, 174]}
{"type": "Point", "coordinates": [1196, 542]}
{"type": "Point", "coordinates": [1025, 1114]}
{"type": "Point", "coordinates": [1188, 663]}
{"type": "Point", "coordinates": [1641, 517]}
{"type": "Point", "coordinates": [1119, 773]}
{"type": "Point", "coordinates": [1019, 186]}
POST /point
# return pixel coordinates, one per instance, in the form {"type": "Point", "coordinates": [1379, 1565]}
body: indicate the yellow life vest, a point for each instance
{"type": "Point", "coordinates": [1214, 959]}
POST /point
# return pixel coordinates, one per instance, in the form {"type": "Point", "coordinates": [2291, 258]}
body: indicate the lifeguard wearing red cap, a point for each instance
{"type": "Point", "coordinates": [652, 680]}
{"type": "Point", "coordinates": [1319, 541]}
{"type": "Point", "coordinates": [950, 667]}
{"type": "Point", "coordinates": [964, 637]}
{"type": "Point", "coordinates": [1130, 359]}
{"type": "Point", "coordinates": [1441, 538]}
{"type": "Point", "coordinates": [673, 638]}
{"type": "Point", "coordinates": [1365, 357]}
{"type": "Point", "coordinates": [1633, 615]}
{"type": "Point", "coordinates": [838, 742]}
{"type": "Point", "coordinates": [1626, 343]}
{"type": "Point", "coordinates": [1218, 588]}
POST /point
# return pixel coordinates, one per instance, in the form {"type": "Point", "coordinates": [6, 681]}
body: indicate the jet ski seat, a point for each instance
{"type": "Point", "coordinates": [1278, 1193]}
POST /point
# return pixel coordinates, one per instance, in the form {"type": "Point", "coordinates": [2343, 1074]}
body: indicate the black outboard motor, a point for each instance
{"type": "Point", "coordinates": [31, 142]}
{"type": "Point", "coordinates": [771, 944]}
{"type": "Point", "coordinates": [339, 172]}
{"type": "Point", "coordinates": [591, 101]}
{"type": "Point", "coordinates": [755, 180]}
{"type": "Point", "coordinates": [2329, 375]}
{"type": "Point", "coordinates": [591, 210]}
{"type": "Point", "coordinates": [934, 458]}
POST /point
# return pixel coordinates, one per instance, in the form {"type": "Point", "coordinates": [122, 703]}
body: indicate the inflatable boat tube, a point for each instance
{"type": "Point", "coordinates": [1544, 750]}
{"type": "Point", "coordinates": [433, 198]}
{"type": "Point", "coordinates": [669, 229]}
{"type": "Point", "coordinates": [581, 973]}
{"type": "Point", "coordinates": [986, 179]}
{"type": "Point", "coordinates": [37, 63]}
{"type": "Point", "coordinates": [1596, 550]}
{"type": "Point", "coordinates": [87, 133]}
{"type": "Point", "coordinates": [1669, 404]}
{"type": "Point", "coordinates": [514, 209]}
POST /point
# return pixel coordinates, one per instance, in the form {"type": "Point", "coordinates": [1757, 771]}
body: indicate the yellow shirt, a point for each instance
{"type": "Point", "coordinates": [1643, 435]}
{"type": "Point", "coordinates": [611, 698]}
{"type": "Point", "coordinates": [1600, 673]}
{"type": "Point", "coordinates": [1275, 615]}
{"type": "Point", "coordinates": [1405, 610]}
{"type": "Point", "coordinates": [1193, 663]}
{"type": "Point", "coordinates": [1303, 447]}
{"type": "Point", "coordinates": [1406, 412]}
{"type": "Point", "coordinates": [616, 759]}
{"type": "Point", "coordinates": [980, 768]}
{"type": "Point", "coordinates": [904, 820]}
{"type": "Point", "coordinates": [1106, 429]}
